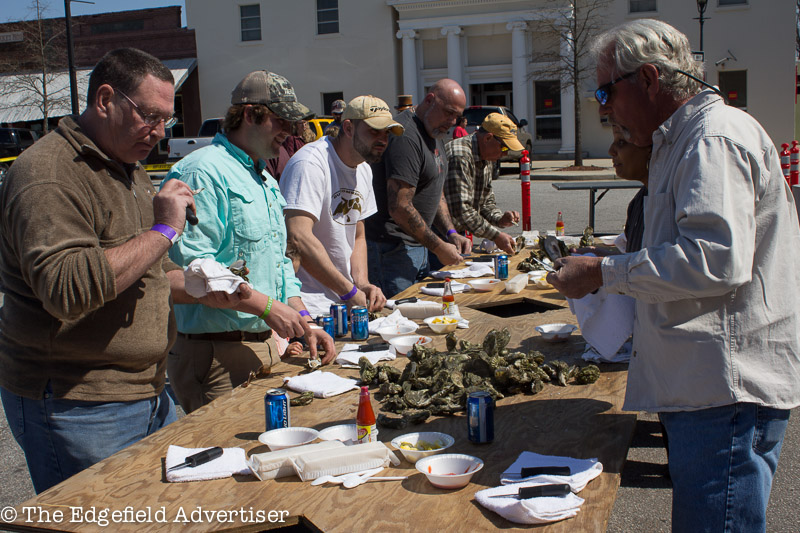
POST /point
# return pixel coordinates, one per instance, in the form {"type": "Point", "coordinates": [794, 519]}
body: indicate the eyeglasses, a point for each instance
{"type": "Point", "coordinates": [151, 119]}
{"type": "Point", "coordinates": [603, 93]}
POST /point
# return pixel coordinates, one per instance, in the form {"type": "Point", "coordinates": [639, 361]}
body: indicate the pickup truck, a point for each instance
{"type": "Point", "coordinates": [181, 146]}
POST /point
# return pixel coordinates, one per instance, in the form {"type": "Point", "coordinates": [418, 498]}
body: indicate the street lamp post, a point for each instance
{"type": "Point", "coordinates": [73, 79]}
{"type": "Point", "coordinates": [701, 8]}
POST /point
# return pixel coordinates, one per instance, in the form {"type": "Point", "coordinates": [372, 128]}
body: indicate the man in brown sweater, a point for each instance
{"type": "Point", "coordinates": [87, 319]}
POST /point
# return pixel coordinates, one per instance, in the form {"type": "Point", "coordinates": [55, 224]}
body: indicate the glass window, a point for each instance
{"type": "Point", "coordinates": [642, 6]}
{"type": "Point", "coordinates": [733, 84]}
{"type": "Point", "coordinates": [547, 123]}
{"type": "Point", "coordinates": [327, 16]}
{"type": "Point", "coordinates": [251, 22]}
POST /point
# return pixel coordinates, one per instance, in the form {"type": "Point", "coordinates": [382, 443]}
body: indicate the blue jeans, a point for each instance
{"type": "Point", "coordinates": [722, 461]}
{"type": "Point", "coordinates": [62, 437]}
{"type": "Point", "coordinates": [395, 267]}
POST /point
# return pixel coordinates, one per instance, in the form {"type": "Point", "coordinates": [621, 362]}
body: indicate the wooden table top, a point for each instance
{"type": "Point", "coordinates": [582, 421]}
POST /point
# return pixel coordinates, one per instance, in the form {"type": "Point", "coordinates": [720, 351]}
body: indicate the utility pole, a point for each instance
{"type": "Point", "coordinates": [73, 79]}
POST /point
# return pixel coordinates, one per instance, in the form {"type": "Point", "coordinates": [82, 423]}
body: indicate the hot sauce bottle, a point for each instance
{"type": "Point", "coordinates": [366, 429]}
{"type": "Point", "coordinates": [448, 299]}
{"type": "Point", "coordinates": [560, 225]}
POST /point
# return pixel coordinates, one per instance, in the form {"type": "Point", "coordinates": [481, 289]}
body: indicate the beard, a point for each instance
{"type": "Point", "coordinates": [365, 151]}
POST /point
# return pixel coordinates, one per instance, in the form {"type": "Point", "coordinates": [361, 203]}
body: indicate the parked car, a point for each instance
{"type": "Point", "coordinates": [476, 113]}
{"type": "Point", "coordinates": [319, 124]}
{"type": "Point", "coordinates": [181, 146]}
{"type": "Point", "coordinates": [14, 140]}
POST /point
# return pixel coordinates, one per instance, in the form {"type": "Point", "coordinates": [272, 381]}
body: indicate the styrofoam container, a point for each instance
{"type": "Point", "coordinates": [347, 433]}
{"type": "Point", "coordinates": [402, 345]}
{"type": "Point", "coordinates": [516, 284]}
{"type": "Point", "coordinates": [431, 437]}
{"type": "Point", "coordinates": [484, 284]}
{"type": "Point", "coordinates": [388, 333]}
{"type": "Point", "coordinates": [278, 439]}
{"type": "Point", "coordinates": [556, 332]}
{"type": "Point", "coordinates": [442, 323]}
{"type": "Point", "coordinates": [449, 470]}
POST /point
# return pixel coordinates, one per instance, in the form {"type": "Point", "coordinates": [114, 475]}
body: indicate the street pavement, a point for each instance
{"type": "Point", "coordinates": [644, 497]}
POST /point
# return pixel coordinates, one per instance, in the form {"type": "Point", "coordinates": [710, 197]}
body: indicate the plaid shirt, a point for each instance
{"type": "Point", "coordinates": [468, 189]}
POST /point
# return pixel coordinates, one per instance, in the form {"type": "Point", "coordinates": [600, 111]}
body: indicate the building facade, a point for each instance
{"type": "Point", "coordinates": [503, 52]}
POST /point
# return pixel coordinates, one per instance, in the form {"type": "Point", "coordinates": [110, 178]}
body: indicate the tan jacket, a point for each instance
{"type": "Point", "coordinates": [62, 204]}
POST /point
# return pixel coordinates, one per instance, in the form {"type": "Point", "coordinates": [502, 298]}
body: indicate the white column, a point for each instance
{"type": "Point", "coordinates": [453, 52]}
{"type": "Point", "coordinates": [567, 110]}
{"type": "Point", "coordinates": [409, 63]}
{"type": "Point", "coordinates": [519, 62]}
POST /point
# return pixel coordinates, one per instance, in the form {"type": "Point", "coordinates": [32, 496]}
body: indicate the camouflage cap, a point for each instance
{"type": "Point", "coordinates": [338, 106]}
{"type": "Point", "coordinates": [273, 91]}
{"type": "Point", "coordinates": [374, 111]}
{"type": "Point", "coordinates": [504, 129]}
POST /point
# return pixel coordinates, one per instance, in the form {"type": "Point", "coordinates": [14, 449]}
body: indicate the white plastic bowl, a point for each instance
{"type": "Point", "coordinates": [442, 323]}
{"type": "Point", "coordinates": [608, 240]}
{"type": "Point", "coordinates": [346, 433]}
{"type": "Point", "coordinates": [449, 470]}
{"type": "Point", "coordinates": [556, 332]}
{"type": "Point", "coordinates": [402, 345]}
{"type": "Point", "coordinates": [484, 284]}
{"type": "Point", "coordinates": [388, 333]}
{"type": "Point", "coordinates": [431, 437]}
{"type": "Point", "coordinates": [278, 439]}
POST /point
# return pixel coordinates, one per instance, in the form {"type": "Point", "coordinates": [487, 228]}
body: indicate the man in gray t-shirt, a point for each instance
{"type": "Point", "coordinates": [408, 186]}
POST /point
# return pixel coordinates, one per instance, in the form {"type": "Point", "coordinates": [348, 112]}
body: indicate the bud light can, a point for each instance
{"type": "Point", "coordinates": [276, 409]}
{"type": "Point", "coordinates": [359, 329]}
{"type": "Point", "coordinates": [339, 314]}
{"type": "Point", "coordinates": [326, 323]}
{"type": "Point", "coordinates": [501, 266]}
{"type": "Point", "coordinates": [480, 417]}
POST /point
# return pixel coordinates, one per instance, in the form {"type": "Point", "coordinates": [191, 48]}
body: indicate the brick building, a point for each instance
{"type": "Point", "coordinates": [157, 31]}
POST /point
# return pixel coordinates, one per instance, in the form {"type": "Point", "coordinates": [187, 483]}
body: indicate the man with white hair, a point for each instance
{"type": "Point", "coordinates": [716, 343]}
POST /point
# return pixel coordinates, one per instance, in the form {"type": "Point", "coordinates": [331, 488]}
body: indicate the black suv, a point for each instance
{"type": "Point", "coordinates": [476, 113]}
{"type": "Point", "coordinates": [14, 140]}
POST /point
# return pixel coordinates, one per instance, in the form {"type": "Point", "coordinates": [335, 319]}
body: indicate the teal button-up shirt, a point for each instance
{"type": "Point", "coordinates": [240, 216]}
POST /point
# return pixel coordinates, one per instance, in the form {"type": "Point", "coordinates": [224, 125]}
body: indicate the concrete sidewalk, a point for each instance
{"type": "Point", "coordinates": [552, 170]}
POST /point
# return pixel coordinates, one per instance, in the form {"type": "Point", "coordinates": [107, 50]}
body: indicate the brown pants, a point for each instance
{"type": "Point", "coordinates": [200, 371]}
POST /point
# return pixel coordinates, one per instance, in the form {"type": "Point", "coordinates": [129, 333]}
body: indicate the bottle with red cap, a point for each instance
{"type": "Point", "coordinates": [448, 298]}
{"type": "Point", "coordinates": [366, 429]}
{"type": "Point", "coordinates": [560, 225]}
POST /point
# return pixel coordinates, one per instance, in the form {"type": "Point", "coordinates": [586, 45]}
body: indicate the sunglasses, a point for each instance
{"type": "Point", "coordinates": [603, 93]}
{"type": "Point", "coordinates": [151, 119]}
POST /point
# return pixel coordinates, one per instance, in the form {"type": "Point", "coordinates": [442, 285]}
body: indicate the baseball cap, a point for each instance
{"type": "Point", "coordinates": [374, 111]}
{"type": "Point", "coordinates": [338, 106]}
{"type": "Point", "coordinates": [272, 90]}
{"type": "Point", "coordinates": [501, 127]}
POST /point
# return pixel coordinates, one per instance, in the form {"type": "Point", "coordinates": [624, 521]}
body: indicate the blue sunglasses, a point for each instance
{"type": "Point", "coordinates": [602, 93]}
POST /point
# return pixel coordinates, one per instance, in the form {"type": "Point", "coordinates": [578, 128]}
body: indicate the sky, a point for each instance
{"type": "Point", "coordinates": [13, 10]}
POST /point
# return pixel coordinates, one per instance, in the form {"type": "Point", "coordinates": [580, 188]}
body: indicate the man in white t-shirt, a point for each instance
{"type": "Point", "coordinates": [328, 189]}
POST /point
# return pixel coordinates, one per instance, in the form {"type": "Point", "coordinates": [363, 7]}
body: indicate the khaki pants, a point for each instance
{"type": "Point", "coordinates": [200, 371]}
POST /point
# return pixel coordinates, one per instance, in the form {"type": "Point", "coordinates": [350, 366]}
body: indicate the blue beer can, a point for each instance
{"type": "Point", "coordinates": [501, 266]}
{"type": "Point", "coordinates": [339, 314]}
{"type": "Point", "coordinates": [360, 327]}
{"type": "Point", "coordinates": [480, 417]}
{"type": "Point", "coordinates": [276, 409]}
{"type": "Point", "coordinates": [326, 323]}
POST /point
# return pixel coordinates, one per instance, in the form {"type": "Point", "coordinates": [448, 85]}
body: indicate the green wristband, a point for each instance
{"type": "Point", "coordinates": [265, 314]}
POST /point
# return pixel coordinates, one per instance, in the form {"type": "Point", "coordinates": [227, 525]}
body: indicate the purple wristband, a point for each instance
{"type": "Point", "coordinates": [166, 231]}
{"type": "Point", "coordinates": [451, 231]}
{"type": "Point", "coordinates": [350, 294]}
{"type": "Point", "coordinates": [305, 313]}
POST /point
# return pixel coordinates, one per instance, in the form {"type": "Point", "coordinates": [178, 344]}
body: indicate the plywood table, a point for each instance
{"type": "Point", "coordinates": [582, 421]}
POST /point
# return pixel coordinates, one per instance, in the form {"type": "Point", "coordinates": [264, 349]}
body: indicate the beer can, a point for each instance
{"type": "Point", "coordinates": [359, 329]}
{"type": "Point", "coordinates": [501, 266]}
{"type": "Point", "coordinates": [326, 323]}
{"type": "Point", "coordinates": [339, 314]}
{"type": "Point", "coordinates": [276, 409]}
{"type": "Point", "coordinates": [480, 417]}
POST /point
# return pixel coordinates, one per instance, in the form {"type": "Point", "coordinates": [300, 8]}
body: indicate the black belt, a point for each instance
{"type": "Point", "coordinates": [229, 336]}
